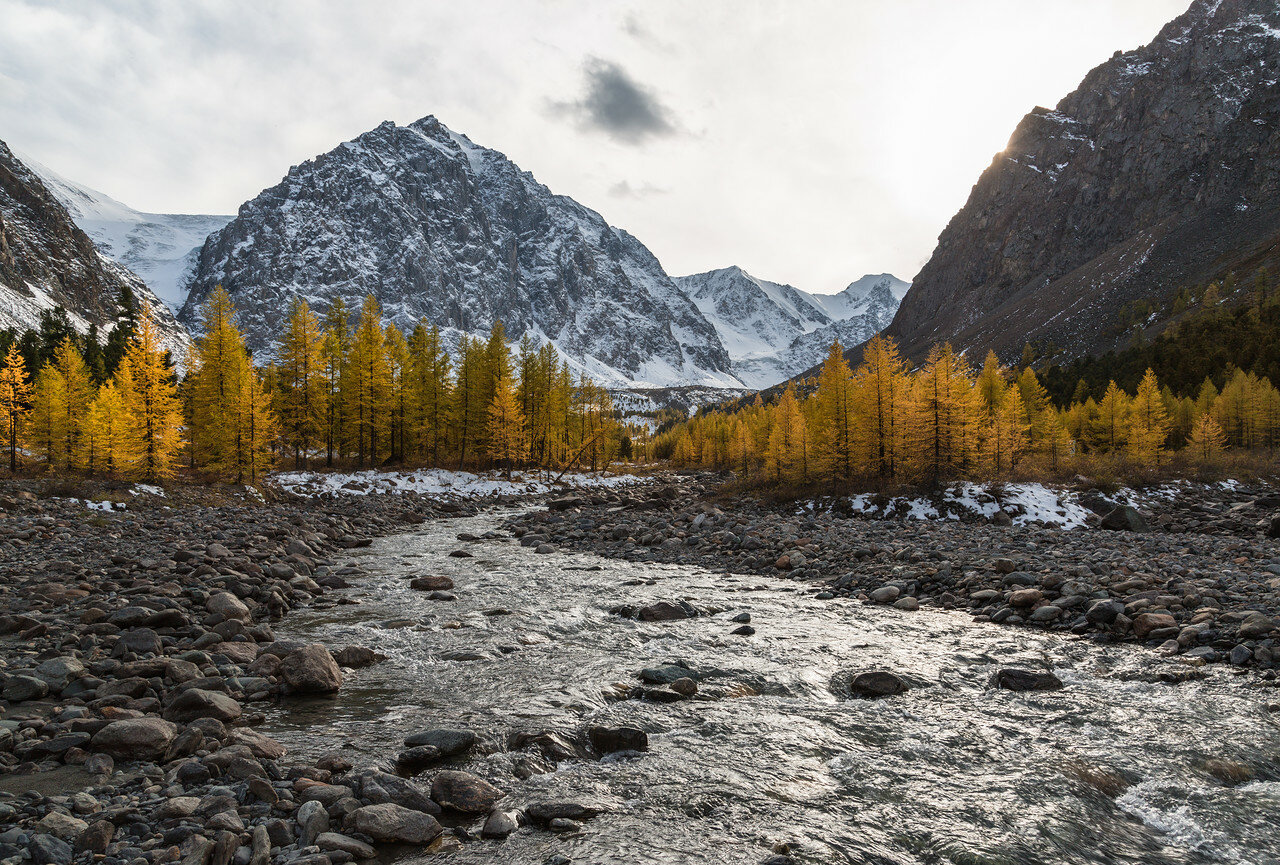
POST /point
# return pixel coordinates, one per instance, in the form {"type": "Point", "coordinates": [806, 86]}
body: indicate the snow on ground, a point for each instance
{"type": "Point", "coordinates": [1025, 503]}
{"type": "Point", "coordinates": [441, 483]}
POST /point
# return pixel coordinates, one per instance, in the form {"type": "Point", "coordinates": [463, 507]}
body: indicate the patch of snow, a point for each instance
{"type": "Point", "coordinates": [440, 483]}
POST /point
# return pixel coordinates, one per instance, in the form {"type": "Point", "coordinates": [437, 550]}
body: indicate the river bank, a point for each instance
{"type": "Point", "coordinates": [215, 679]}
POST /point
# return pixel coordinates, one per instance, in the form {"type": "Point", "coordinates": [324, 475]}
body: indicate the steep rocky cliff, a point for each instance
{"type": "Point", "coordinates": [1160, 171]}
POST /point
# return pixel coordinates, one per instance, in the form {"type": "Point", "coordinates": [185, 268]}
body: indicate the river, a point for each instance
{"type": "Point", "coordinates": [1113, 768]}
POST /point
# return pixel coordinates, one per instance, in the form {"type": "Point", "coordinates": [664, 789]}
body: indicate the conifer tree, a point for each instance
{"type": "Point", "coordinates": [835, 416]}
{"type": "Point", "coordinates": [1057, 444]}
{"type": "Point", "coordinates": [303, 393]}
{"type": "Point", "coordinates": [469, 413]}
{"type": "Point", "coordinates": [508, 435]}
{"type": "Point", "coordinates": [882, 393]}
{"type": "Point", "coordinates": [48, 415]}
{"type": "Point", "coordinates": [429, 392]}
{"type": "Point", "coordinates": [215, 385]}
{"type": "Point", "coordinates": [369, 382]}
{"type": "Point", "coordinates": [153, 414]}
{"type": "Point", "coordinates": [334, 351]}
{"type": "Point", "coordinates": [1207, 440]}
{"type": "Point", "coordinates": [943, 419]}
{"type": "Point", "coordinates": [15, 398]}
{"type": "Point", "coordinates": [1148, 422]}
{"type": "Point", "coordinates": [108, 430]}
{"type": "Point", "coordinates": [77, 393]}
{"type": "Point", "coordinates": [397, 350]}
{"type": "Point", "coordinates": [1035, 402]}
{"type": "Point", "coordinates": [787, 440]}
{"type": "Point", "coordinates": [1110, 428]}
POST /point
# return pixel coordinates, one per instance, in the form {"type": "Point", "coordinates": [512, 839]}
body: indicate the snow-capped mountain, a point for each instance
{"type": "Point", "coordinates": [46, 262]}
{"type": "Point", "coordinates": [439, 228]}
{"type": "Point", "coordinates": [161, 248]}
{"type": "Point", "coordinates": [773, 331]}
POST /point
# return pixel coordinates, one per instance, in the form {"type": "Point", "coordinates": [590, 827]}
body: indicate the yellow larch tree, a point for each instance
{"type": "Point", "coordinates": [370, 380]}
{"type": "Point", "coordinates": [48, 415]}
{"type": "Point", "coordinates": [788, 440]}
{"type": "Point", "coordinates": [1109, 429]}
{"type": "Point", "coordinates": [882, 405]}
{"type": "Point", "coordinates": [15, 399]}
{"type": "Point", "coordinates": [108, 429]}
{"type": "Point", "coordinates": [397, 351]}
{"type": "Point", "coordinates": [215, 385]}
{"type": "Point", "coordinates": [303, 397]}
{"type": "Point", "coordinates": [943, 428]}
{"type": "Point", "coordinates": [77, 394]}
{"type": "Point", "coordinates": [508, 432]}
{"type": "Point", "coordinates": [1148, 422]}
{"type": "Point", "coordinates": [152, 411]}
{"type": "Point", "coordinates": [836, 421]}
{"type": "Point", "coordinates": [428, 392]}
{"type": "Point", "coordinates": [1207, 440]}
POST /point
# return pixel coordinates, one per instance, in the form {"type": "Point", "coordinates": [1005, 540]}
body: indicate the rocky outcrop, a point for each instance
{"type": "Point", "coordinates": [1160, 171]}
{"type": "Point", "coordinates": [438, 228]}
{"type": "Point", "coordinates": [47, 262]}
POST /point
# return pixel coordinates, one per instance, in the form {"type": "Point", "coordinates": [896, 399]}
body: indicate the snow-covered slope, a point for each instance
{"type": "Point", "coordinates": [438, 228]}
{"type": "Point", "coordinates": [161, 248]}
{"type": "Point", "coordinates": [773, 331]}
{"type": "Point", "coordinates": [46, 262]}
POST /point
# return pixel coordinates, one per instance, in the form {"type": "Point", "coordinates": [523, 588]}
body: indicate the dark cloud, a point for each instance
{"type": "Point", "coordinates": [618, 105]}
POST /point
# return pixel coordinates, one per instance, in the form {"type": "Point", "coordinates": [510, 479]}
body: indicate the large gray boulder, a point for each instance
{"type": "Point", "coordinates": [135, 738]}
{"type": "Point", "coordinates": [391, 823]}
{"type": "Point", "coordinates": [310, 670]}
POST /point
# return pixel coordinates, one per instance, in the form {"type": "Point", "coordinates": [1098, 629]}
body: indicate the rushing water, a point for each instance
{"type": "Point", "coordinates": [1110, 769]}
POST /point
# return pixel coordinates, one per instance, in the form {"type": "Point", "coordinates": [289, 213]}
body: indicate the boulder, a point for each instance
{"type": "Point", "coordinates": [135, 738]}
{"type": "Point", "coordinates": [310, 670]}
{"type": "Point", "coordinates": [431, 584]}
{"type": "Point", "coordinates": [391, 823]}
{"type": "Point", "coordinates": [877, 683]}
{"type": "Point", "coordinates": [464, 792]}
{"type": "Point", "coordinates": [1014, 679]}
{"type": "Point", "coordinates": [1145, 623]}
{"type": "Point", "coordinates": [607, 740]}
{"type": "Point", "coordinates": [228, 606]}
{"type": "Point", "coordinates": [357, 657]}
{"type": "Point", "coordinates": [447, 742]}
{"type": "Point", "coordinates": [666, 611]}
{"type": "Point", "coordinates": [1124, 519]}
{"type": "Point", "coordinates": [196, 703]}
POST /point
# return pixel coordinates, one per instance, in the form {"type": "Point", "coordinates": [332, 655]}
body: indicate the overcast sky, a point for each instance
{"type": "Point", "coordinates": [807, 141]}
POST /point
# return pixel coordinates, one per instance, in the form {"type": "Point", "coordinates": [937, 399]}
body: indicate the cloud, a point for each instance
{"type": "Point", "coordinates": [619, 106]}
{"type": "Point", "coordinates": [623, 189]}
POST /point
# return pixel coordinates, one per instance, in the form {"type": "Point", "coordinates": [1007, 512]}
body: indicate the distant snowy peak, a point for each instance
{"type": "Point", "coordinates": [160, 248]}
{"type": "Point", "coordinates": [439, 228]}
{"type": "Point", "coordinates": [47, 262]}
{"type": "Point", "coordinates": [856, 297]}
{"type": "Point", "coordinates": [774, 331]}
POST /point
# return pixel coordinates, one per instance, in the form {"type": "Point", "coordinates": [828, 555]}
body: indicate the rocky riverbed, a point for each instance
{"type": "Point", "coordinates": [1194, 575]}
{"type": "Point", "coordinates": [216, 679]}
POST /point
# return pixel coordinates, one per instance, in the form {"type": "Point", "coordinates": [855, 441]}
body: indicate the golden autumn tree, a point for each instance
{"type": "Point", "coordinates": [48, 415]}
{"type": "Point", "coordinates": [255, 426]}
{"type": "Point", "coordinates": [788, 440]}
{"type": "Point", "coordinates": [428, 387]}
{"type": "Point", "coordinates": [1056, 445]}
{"type": "Point", "coordinates": [334, 351]}
{"type": "Point", "coordinates": [397, 399]}
{"type": "Point", "coordinates": [106, 426]}
{"type": "Point", "coordinates": [303, 396]}
{"type": "Point", "coordinates": [1207, 440]}
{"type": "Point", "coordinates": [1148, 422]}
{"type": "Point", "coordinates": [214, 381]}
{"type": "Point", "coordinates": [369, 382]}
{"type": "Point", "coordinates": [15, 398]}
{"type": "Point", "coordinates": [1005, 429]}
{"type": "Point", "coordinates": [1109, 429]}
{"type": "Point", "coordinates": [943, 427]}
{"type": "Point", "coordinates": [882, 405]}
{"type": "Point", "coordinates": [152, 411]}
{"type": "Point", "coordinates": [836, 421]}
{"type": "Point", "coordinates": [77, 394]}
{"type": "Point", "coordinates": [507, 431]}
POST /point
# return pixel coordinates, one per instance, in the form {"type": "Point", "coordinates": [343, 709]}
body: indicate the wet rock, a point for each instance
{"type": "Point", "coordinates": [743, 631]}
{"type": "Point", "coordinates": [333, 841]}
{"type": "Point", "coordinates": [607, 740]}
{"type": "Point", "coordinates": [1104, 612]}
{"type": "Point", "coordinates": [907, 604]}
{"type": "Point", "coordinates": [666, 611]}
{"type": "Point", "coordinates": [310, 670]}
{"type": "Point", "coordinates": [135, 738]}
{"type": "Point", "coordinates": [886, 594]}
{"type": "Point", "coordinates": [413, 761]}
{"type": "Point", "coordinates": [464, 792]}
{"type": "Point", "coordinates": [378, 788]}
{"type": "Point", "coordinates": [448, 742]}
{"type": "Point", "coordinates": [392, 823]}
{"type": "Point", "coordinates": [685, 686]}
{"type": "Point", "coordinates": [877, 683]}
{"type": "Point", "coordinates": [312, 820]}
{"type": "Point", "coordinates": [21, 688]}
{"type": "Point", "coordinates": [195, 703]}
{"type": "Point", "coordinates": [1145, 623]}
{"type": "Point", "coordinates": [499, 824]}
{"type": "Point", "coordinates": [357, 657]}
{"type": "Point", "coordinates": [542, 813]}
{"type": "Point", "coordinates": [431, 583]}
{"type": "Point", "coordinates": [563, 825]}
{"type": "Point", "coordinates": [1014, 679]}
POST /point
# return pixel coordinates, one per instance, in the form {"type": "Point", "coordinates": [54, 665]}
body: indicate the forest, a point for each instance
{"type": "Point", "coordinates": [338, 393]}
{"type": "Point", "coordinates": [887, 423]}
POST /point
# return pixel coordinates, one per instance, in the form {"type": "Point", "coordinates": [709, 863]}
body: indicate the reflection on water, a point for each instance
{"type": "Point", "coordinates": [1111, 769]}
